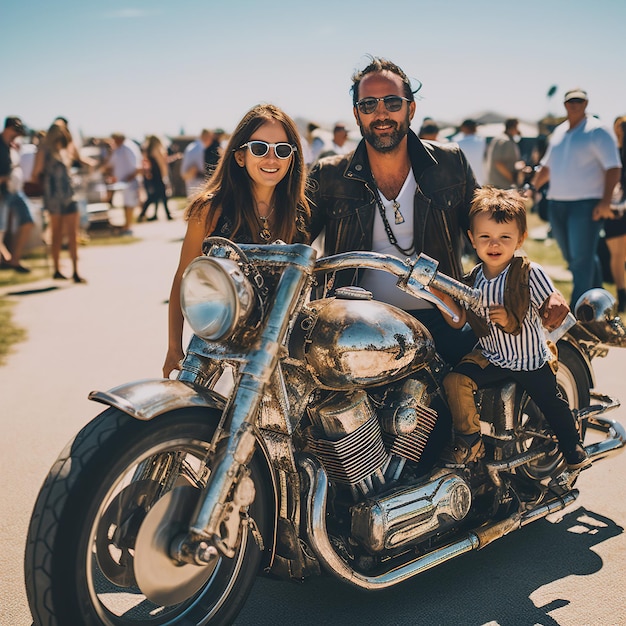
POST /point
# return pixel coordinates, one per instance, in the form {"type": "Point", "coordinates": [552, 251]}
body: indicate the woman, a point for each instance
{"type": "Point", "coordinates": [155, 178]}
{"type": "Point", "coordinates": [256, 195]}
{"type": "Point", "coordinates": [52, 167]}
{"type": "Point", "coordinates": [615, 229]}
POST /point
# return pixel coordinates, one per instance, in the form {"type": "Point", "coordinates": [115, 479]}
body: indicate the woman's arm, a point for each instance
{"type": "Point", "coordinates": [191, 248]}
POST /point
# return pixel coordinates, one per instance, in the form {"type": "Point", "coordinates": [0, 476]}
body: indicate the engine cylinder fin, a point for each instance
{"type": "Point", "coordinates": [355, 456]}
{"type": "Point", "coordinates": [410, 446]}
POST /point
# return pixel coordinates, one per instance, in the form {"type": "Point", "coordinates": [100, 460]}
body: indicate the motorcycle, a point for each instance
{"type": "Point", "coordinates": [320, 457]}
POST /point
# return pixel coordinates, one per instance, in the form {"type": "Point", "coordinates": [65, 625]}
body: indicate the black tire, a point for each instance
{"type": "Point", "coordinates": [574, 384]}
{"type": "Point", "coordinates": [72, 580]}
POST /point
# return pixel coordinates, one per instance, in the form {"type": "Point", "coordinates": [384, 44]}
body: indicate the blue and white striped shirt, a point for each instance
{"type": "Point", "coordinates": [527, 351]}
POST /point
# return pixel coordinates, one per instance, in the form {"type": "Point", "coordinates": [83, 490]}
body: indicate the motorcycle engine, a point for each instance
{"type": "Point", "coordinates": [363, 448]}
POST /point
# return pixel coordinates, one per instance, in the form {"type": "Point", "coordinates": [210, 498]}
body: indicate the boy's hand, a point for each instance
{"type": "Point", "coordinates": [498, 315]}
{"type": "Point", "coordinates": [554, 310]}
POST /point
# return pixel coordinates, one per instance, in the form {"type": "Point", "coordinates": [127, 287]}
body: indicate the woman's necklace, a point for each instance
{"type": "Point", "coordinates": [265, 232]}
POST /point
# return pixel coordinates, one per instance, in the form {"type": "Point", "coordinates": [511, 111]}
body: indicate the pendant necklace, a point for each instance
{"type": "Point", "coordinates": [265, 232]}
{"type": "Point", "coordinates": [399, 219]}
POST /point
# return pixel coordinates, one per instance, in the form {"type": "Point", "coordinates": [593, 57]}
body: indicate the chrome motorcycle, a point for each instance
{"type": "Point", "coordinates": [318, 457]}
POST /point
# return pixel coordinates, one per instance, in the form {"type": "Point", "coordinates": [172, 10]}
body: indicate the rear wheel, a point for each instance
{"type": "Point", "coordinates": [106, 514]}
{"type": "Point", "coordinates": [573, 383]}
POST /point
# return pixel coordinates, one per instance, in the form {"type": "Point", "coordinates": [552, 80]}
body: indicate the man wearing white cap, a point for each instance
{"type": "Point", "coordinates": [583, 166]}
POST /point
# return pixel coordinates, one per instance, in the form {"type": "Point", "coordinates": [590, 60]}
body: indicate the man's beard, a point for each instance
{"type": "Point", "coordinates": [389, 141]}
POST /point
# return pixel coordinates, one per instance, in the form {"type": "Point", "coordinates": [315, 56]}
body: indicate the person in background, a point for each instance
{"type": "Point", "coordinates": [582, 165]}
{"type": "Point", "coordinates": [429, 130]}
{"type": "Point", "coordinates": [615, 227]}
{"type": "Point", "coordinates": [53, 169]}
{"type": "Point", "coordinates": [511, 335]}
{"type": "Point", "coordinates": [340, 143]}
{"type": "Point", "coordinates": [503, 163]}
{"type": "Point", "coordinates": [125, 164]}
{"type": "Point", "coordinates": [313, 145]}
{"type": "Point", "coordinates": [473, 147]}
{"type": "Point", "coordinates": [213, 152]}
{"type": "Point", "coordinates": [192, 165]}
{"type": "Point", "coordinates": [13, 203]}
{"type": "Point", "coordinates": [256, 195]}
{"type": "Point", "coordinates": [156, 178]}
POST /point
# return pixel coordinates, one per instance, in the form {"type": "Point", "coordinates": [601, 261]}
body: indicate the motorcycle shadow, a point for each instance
{"type": "Point", "coordinates": [493, 585]}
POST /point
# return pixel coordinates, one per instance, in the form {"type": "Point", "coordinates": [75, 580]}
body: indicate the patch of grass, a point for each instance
{"type": "Point", "coordinates": [10, 334]}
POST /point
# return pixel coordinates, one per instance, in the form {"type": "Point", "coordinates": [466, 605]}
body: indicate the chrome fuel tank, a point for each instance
{"type": "Point", "coordinates": [359, 343]}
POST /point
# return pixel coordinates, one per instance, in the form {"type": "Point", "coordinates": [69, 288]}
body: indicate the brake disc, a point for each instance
{"type": "Point", "coordinates": [162, 579]}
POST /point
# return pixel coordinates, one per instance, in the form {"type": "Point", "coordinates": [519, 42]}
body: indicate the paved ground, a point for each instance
{"type": "Point", "coordinates": [567, 570]}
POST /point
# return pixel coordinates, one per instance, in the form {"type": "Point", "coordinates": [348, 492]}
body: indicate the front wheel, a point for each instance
{"type": "Point", "coordinates": [85, 553]}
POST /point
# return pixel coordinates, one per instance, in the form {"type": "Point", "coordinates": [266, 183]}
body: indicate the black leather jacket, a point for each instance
{"type": "Point", "coordinates": [342, 199]}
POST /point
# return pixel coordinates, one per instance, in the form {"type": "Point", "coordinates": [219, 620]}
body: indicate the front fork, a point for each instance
{"type": "Point", "coordinates": [230, 489]}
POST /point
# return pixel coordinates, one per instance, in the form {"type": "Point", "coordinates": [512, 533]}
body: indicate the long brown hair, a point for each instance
{"type": "Point", "coordinates": [229, 187]}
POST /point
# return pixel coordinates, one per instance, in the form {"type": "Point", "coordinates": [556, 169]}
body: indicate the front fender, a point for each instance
{"type": "Point", "coordinates": [145, 399]}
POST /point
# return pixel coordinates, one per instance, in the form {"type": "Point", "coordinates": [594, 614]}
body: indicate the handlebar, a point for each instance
{"type": "Point", "coordinates": [413, 277]}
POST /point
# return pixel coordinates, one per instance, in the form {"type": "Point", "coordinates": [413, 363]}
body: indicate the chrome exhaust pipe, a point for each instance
{"type": "Point", "coordinates": [314, 515]}
{"type": "Point", "coordinates": [614, 441]}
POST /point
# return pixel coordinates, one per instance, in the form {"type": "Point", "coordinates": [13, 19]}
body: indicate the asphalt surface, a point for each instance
{"type": "Point", "coordinates": [567, 569]}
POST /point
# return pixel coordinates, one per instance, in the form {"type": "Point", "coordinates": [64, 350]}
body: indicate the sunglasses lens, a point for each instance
{"type": "Point", "coordinates": [283, 150]}
{"type": "Point", "coordinates": [393, 103]}
{"type": "Point", "coordinates": [368, 105]}
{"type": "Point", "coordinates": [258, 148]}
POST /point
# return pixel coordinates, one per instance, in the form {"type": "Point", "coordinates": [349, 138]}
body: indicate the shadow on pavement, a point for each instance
{"type": "Point", "coordinates": [493, 585]}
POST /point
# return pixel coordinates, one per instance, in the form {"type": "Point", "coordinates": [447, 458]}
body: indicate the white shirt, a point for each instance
{"type": "Point", "coordinates": [473, 148]}
{"type": "Point", "coordinates": [381, 284]}
{"type": "Point", "coordinates": [193, 156]}
{"type": "Point", "coordinates": [578, 160]}
{"type": "Point", "coordinates": [125, 161]}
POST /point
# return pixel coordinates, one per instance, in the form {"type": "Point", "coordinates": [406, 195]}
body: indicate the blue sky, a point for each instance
{"type": "Point", "coordinates": [159, 66]}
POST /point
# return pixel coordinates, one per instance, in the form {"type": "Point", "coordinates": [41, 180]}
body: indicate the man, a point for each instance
{"type": "Point", "coordinates": [340, 141]}
{"type": "Point", "coordinates": [14, 209]}
{"type": "Point", "coordinates": [582, 164]}
{"type": "Point", "coordinates": [503, 163]}
{"type": "Point", "coordinates": [398, 195]}
{"type": "Point", "coordinates": [192, 166]}
{"type": "Point", "coordinates": [125, 162]}
{"type": "Point", "coordinates": [473, 147]}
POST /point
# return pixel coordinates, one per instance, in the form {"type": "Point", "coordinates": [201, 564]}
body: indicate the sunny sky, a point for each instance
{"type": "Point", "coordinates": [159, 66]}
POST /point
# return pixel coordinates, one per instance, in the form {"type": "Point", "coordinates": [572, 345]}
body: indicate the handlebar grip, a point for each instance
{"type": "Point", "coordinates": [425, 272]}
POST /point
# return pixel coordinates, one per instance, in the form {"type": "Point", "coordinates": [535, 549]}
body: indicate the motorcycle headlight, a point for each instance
{"type": "Point", "coordinates": [214, 297]}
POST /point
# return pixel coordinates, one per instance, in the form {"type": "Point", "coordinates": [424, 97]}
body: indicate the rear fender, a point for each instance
{"type": "Point", "coordinates": [146, 399]}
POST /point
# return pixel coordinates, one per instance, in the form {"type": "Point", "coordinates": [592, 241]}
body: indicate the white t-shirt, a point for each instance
{"type": "Point", "coordinates": [193, 156]}
{"type": "Point", "coordinates": [125, 161]}
{"type": "Point", "coordinates": [381, 284]}
{"type": "Point", "coordinates": [578, 160]}
{"type": "Point", "coordinates": [473, 148]}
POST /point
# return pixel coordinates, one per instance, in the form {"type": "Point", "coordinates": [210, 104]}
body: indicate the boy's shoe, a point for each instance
{"type": "Point", "coordinates": [577, 458]}
{"type": "Point", "coordinates": [459, 452]}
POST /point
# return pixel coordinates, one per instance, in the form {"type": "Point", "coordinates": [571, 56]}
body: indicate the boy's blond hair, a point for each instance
{"type": "Point", "coordinates": [501, 205]}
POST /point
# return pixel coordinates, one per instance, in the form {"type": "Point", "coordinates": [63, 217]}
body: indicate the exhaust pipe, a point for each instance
{"type": "Point", "coordinates": [317, 537]}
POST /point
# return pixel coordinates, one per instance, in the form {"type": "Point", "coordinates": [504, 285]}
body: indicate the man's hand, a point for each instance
{"type": "Point", "coordinates": [602, 211]}
{"type": "Point", "coordinates": [554, 310]}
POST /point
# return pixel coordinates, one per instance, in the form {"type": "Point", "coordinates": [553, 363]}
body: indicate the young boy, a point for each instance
{"type": "Point", "coordinates": [511, 336]}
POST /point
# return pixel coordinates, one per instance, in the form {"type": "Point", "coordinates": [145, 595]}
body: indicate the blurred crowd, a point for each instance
{"type": "Point", "coordinates": [72, 180]}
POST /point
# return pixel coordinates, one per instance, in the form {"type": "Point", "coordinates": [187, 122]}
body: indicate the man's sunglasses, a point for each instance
{"type": "Point", "coordinates": [261, 148]}
{"type": "Point", "coordinates": [392, 104]}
